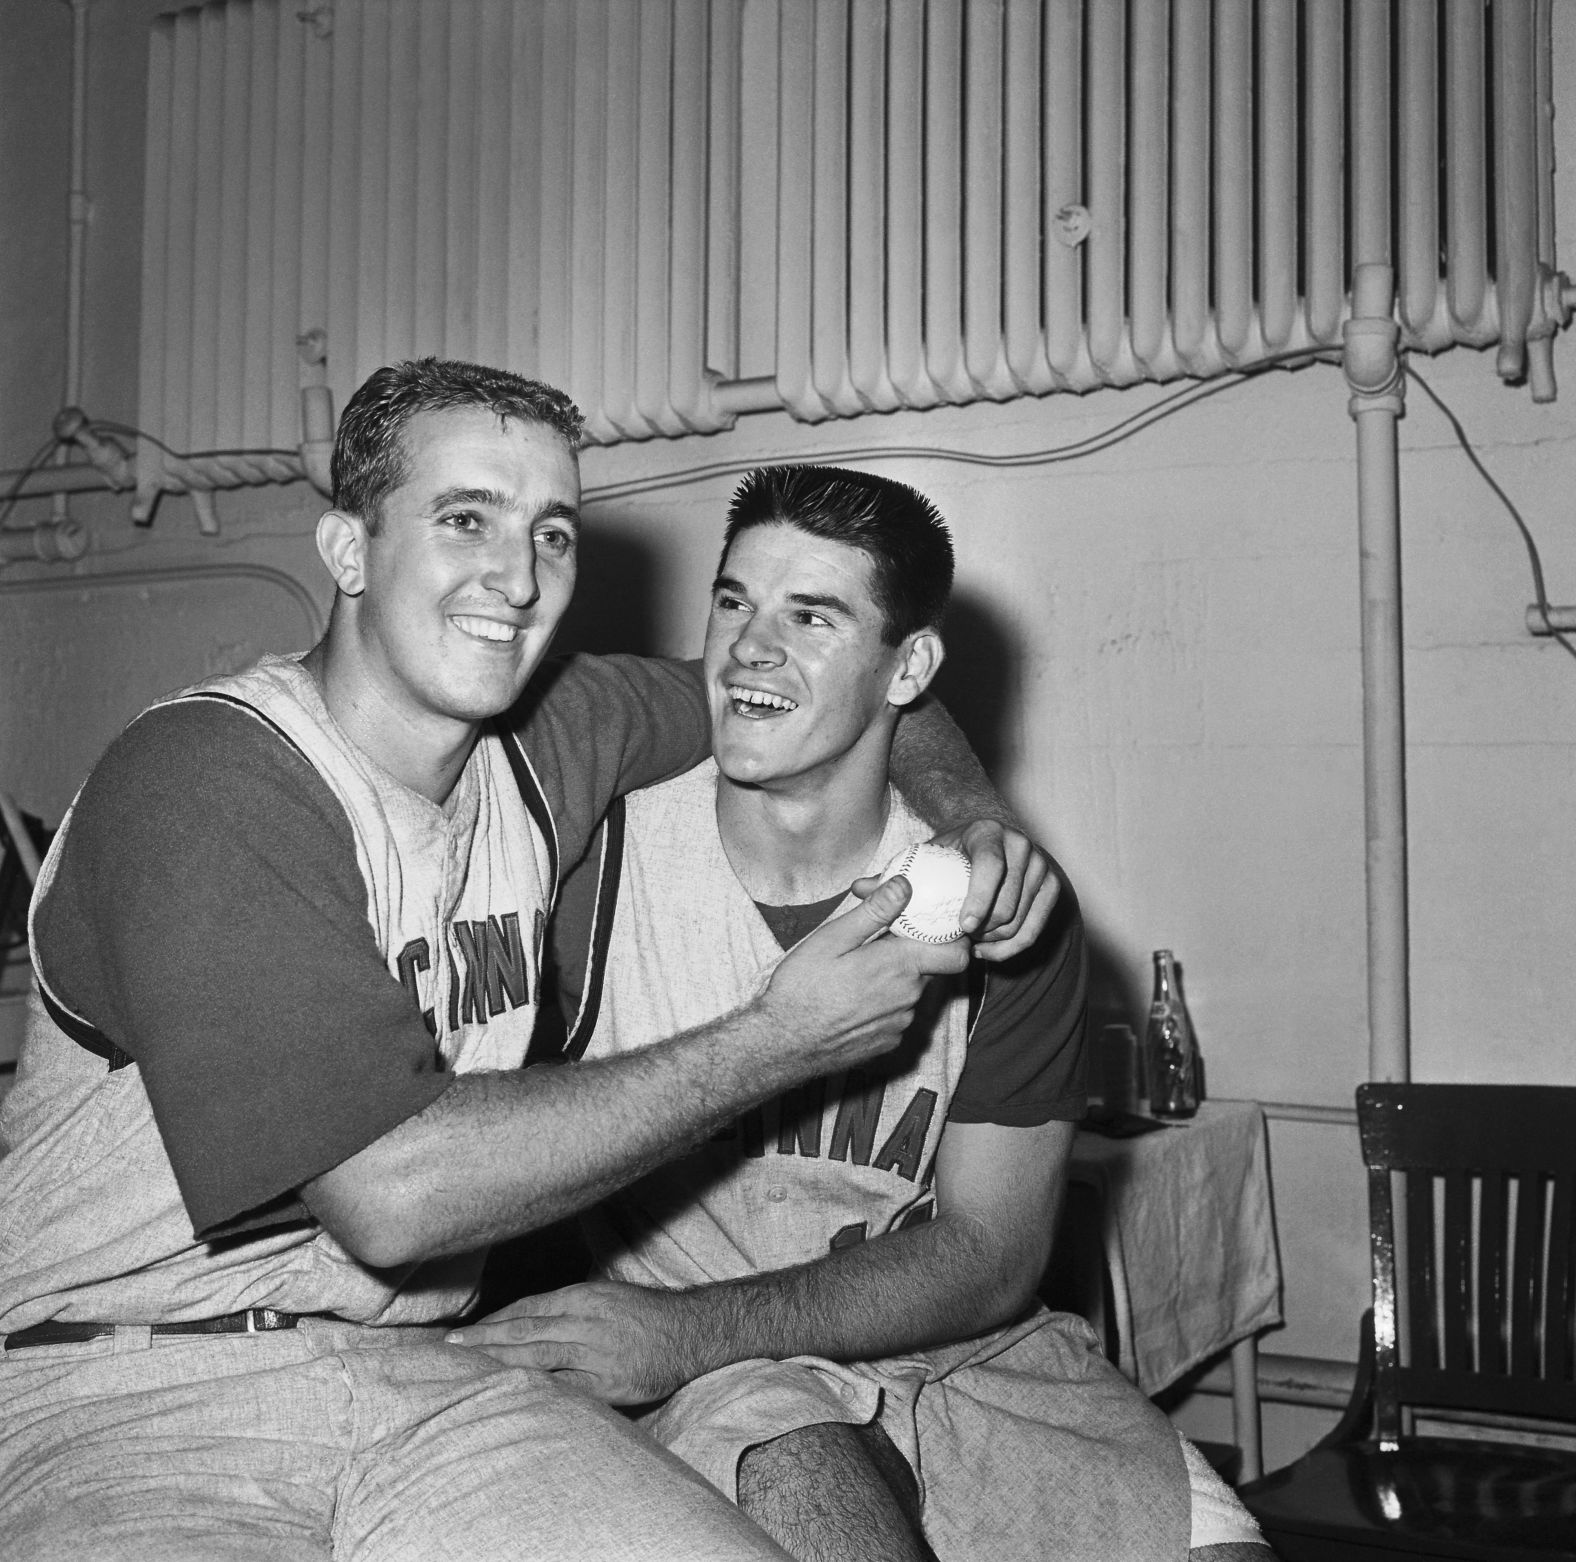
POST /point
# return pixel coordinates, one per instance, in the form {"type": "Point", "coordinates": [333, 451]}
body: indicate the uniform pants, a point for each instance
{"type": "Point", "coordinates": [333, 1441]}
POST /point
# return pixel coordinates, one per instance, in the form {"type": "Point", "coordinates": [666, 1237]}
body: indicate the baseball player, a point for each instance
{"type": "Point", "coordinates": [269, 1113]}
{"type": "Point", "coordinates": [832, 1302]}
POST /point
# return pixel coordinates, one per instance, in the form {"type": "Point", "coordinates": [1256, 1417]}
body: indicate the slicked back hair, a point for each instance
{"type": "Point", "coordinates": [369, 460]}
{"type": "Point", "coordinates": [895, 526]}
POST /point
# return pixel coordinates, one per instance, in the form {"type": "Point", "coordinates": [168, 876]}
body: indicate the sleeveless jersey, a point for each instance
{"type": "Point", "coordinates": [96, 1227]}
{"type": "Point", "coordinates": [828, 1164]}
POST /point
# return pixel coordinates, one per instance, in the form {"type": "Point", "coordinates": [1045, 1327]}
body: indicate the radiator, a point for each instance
{"type": "Point", "coordinates": [680, 210]}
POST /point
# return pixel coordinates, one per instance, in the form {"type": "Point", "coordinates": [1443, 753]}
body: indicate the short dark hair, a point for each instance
{"type": "Point", "coordinates": [897, 527]}
{"type": "Point", "coordinates": [369, 457]}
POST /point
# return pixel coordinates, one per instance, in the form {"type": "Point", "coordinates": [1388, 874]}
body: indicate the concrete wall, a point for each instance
{"type": "Point", "coordinates": [1157, 647]}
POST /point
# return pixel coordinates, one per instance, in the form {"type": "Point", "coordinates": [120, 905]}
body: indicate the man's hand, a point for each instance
{"type": "Point", "coordinates": [1012, 890]}
{"type": "Point", "coordinates": [847, 994]}
{"type": "Point", "coordinates": [624, 1344]}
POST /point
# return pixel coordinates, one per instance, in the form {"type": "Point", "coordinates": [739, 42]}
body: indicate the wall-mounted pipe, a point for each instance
{"type": "Point", "coordinates": [49, 542]}
{"type": "Point", "coordinates": [1550, 620]}
{"type": "Point", "coordinates": [1373, 370]}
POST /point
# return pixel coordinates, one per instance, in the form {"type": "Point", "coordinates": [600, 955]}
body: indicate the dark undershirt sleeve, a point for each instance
{"type": "Point", "coordinates": [1026, 1061]}
{"type": "Point", "coordinates": [208, 917]}
{"type": "Point", "coordinates": [597, 727]}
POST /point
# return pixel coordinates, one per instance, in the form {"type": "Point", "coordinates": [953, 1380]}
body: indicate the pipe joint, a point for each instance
{"type": "Point", "coordinates": [1371, 362]}
{"type": "Point", "coordinates": [49, 542]}
{"type": "Point", "coordinates": [317, 437]}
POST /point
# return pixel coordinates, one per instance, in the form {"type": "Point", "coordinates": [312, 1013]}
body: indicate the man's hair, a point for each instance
{"type": "Point", "coordinates": [895, 526]}
{"type": "Point", "coordinates": [369, 460]}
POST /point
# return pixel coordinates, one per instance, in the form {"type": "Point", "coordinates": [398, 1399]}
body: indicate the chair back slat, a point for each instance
{"type": "Point", "coordinates": [1526, 1278]}
{"type": "Point", "coordinates": [1559, 1302]}
{"type": "Point", "coordinates": [1493, 1355]}
{"type": "Point", "coordinates": [1381, 1243]}
{"type": "Point", "coordinates": [1421, 1293]}
{"type": "Point", "coordinates": [1484, 1179]}
{"type": "Point", "coordinates": [1455, 1279]}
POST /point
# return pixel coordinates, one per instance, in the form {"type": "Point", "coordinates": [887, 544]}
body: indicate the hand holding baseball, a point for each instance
{"type": "Point", "coordinates": [848, 994]}
{"type": "Point", "coordinates": [938, 879]}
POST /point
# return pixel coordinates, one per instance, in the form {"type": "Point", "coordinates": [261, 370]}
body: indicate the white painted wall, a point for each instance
{"type": "Point", "coordinates": [1157, 646]}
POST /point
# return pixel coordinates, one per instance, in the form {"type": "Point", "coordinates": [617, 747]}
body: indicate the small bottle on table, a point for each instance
{"type": "Point", "coordinates": [1170, 1050]}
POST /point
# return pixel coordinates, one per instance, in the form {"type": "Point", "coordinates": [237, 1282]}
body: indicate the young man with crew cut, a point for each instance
{"type": "Point", "coordinates": [832, 1303]}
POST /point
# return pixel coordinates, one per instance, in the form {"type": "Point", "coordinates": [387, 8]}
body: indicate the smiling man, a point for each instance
{"type": "Point", "coordinates": [832, 1303]}
{"type": "Point", "coordinates": [270, 1112]}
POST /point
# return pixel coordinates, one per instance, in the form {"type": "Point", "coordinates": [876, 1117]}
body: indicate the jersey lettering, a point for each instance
{"type": "Point", "coordinates": [413, 958]}
{"type": "Point", "coordinates": [858, 1113]}
{"type": "Point", "coordinates": [496, 978]}
{"type": "Point", "coordinates": [849, 1236]}
{"type": "Point", "coordinates": [799, 1118]}
{"type": "Point", "coordinates": [906, 1143]}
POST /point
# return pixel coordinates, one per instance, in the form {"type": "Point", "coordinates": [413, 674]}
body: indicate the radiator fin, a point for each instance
{"type": "Point", "coordinates": [676, 209]}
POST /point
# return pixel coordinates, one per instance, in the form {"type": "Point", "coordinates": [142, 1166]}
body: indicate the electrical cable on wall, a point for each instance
{"type": "Point", "coordinates": [1540, 594]}
{"type": "Point", "coordinates": [1177, 401]}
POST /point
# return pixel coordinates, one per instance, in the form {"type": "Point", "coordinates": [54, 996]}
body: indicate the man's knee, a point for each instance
{"type": "Point", "coordinates": [834, 1490]}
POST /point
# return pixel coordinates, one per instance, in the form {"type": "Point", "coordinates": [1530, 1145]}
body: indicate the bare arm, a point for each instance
{"type": "Point", "coordinates": [501, 1153]}
{"type": "Point", "coordinates": [976, 1265]}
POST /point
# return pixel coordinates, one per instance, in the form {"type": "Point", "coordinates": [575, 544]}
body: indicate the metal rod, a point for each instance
{"type": "Point", "coordinates": [1289, 1380]}
{"type": "Point", "coordinates": [1545, 621]}
{"type": "Point", "coordinates": [1373, 370]}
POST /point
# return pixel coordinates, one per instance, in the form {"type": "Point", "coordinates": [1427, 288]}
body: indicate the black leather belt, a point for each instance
{"type": "Point", "coordinates": [255, 1320]}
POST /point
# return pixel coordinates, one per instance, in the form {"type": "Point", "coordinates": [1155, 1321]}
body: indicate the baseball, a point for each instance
{"type": "Point", "coordinates": [939, 879]}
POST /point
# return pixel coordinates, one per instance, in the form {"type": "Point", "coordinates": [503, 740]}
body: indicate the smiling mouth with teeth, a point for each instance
{"type": "Point", "coordinates": [757, 704]}
{"type": "Point", "coordinates": [486, 628]}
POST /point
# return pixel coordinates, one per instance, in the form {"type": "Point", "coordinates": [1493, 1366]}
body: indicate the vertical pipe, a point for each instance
{"type": "Point", "coordinates": [1324, 189]}
{"type": "Point", "coordinates": [1277, 172]}
{"type": "Point", "coordinates": [867, 216]}
{"type": "Point", "coordinates": [1190, 202]}
{"type": "Point", "coordinates": [653, 218]}
{"type": "Point", "coordinates": [984, 82]}
{"type": "Point", "coordinates": [1105, 119]}
{"type": "Point", "coordinates": [1373, 371]}
{"type": "Point", "coordinates": [1233, 180]}
{"type": "Point", "coordinates": [687, 234]}
{"type": "Point", "coordinates": [77, 204]}
{"type": "Point", "coordinates": [905, 197]}
{"type": "Point", "coordinates": [1417, 244]}
{"type": "Point", "coordinates": [1021, 208]}
{"type": "Point", "coordinates": [1370, 137]}
{"type": "Point", "coordinates": [796, 213]}
{"type": "Point", "coordinates": [1149, 69]}
{"type": "Point", "coordinates": [1515, 181]}
{"type": "Point", "coordinates": [944, 200]}
{"type": "Point", "coordinates": [829, 207]}
{"type": "Point", "coordinates": [1062, 188]}
{"type": "Point", "coordinates": [1466, 199]}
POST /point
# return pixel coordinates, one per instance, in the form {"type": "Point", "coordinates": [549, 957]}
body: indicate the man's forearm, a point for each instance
{"type": "Point", "coordinates": [905, 1290]}
{"type": "Point", "coordinates": [498, 1154]}
{"type": "Point", "coordinates": [938, 773]}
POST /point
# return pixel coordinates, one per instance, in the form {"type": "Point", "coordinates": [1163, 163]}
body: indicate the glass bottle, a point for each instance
{"type": "Point", "coordinates": [1171, 1053]}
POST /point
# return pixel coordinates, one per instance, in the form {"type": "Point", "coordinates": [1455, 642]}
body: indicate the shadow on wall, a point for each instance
{"type": "Point", "coordinates": [980, 683]}
{"type": "Point", "coordinates": [612, 606]}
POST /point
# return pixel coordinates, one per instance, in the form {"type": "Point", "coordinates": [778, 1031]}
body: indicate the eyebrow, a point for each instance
{"type": "Point", "coordinates": [496, 499]}
{"type": "Point", "coordinates": [798, 598]}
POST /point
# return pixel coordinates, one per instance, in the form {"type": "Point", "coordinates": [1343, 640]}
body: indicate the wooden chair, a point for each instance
{"type": "Point", "coordinates": [1472, 1325]}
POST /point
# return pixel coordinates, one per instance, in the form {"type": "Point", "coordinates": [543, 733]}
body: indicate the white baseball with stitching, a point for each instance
{"type": "Point", "coordinates": [938, 877]}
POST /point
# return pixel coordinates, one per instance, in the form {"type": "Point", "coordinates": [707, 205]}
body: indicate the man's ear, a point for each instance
{"type": "Point", "coordinates": [920, 661]}
{"type": "Point", "coordinates": [342, 546]}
